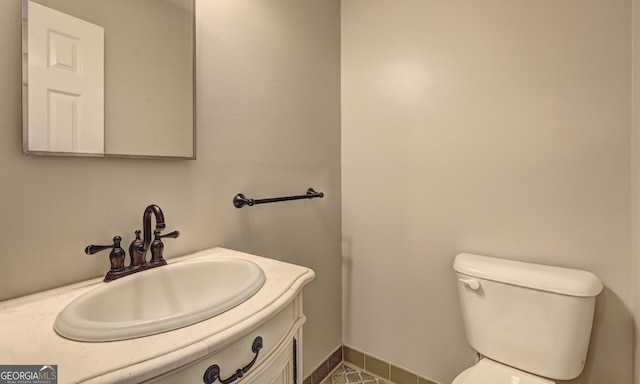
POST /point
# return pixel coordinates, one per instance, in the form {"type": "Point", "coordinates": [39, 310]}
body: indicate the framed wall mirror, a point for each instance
{"type": "Point", "coordinates": [109, 78]}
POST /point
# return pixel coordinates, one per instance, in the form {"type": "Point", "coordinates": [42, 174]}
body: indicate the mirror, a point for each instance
{"type": "Point", "coordinates": [109, 78]}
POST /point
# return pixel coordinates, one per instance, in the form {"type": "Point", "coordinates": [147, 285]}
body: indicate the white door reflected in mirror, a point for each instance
{"type": "Point", "coordinates": [66, 82]}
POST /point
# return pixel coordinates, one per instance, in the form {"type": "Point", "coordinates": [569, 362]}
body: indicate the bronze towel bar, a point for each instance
{"type": "Point", "coordinates": [241, 200]}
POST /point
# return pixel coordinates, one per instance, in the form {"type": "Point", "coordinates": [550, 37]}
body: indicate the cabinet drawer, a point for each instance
{"type": "Point", "coordinates": [278, 370]}
{"type": "Point", "coordinates": [275, 333]}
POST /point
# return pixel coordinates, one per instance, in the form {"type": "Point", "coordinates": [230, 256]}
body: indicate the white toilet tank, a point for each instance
{"type": "Point", "coordinates": [533, 317]}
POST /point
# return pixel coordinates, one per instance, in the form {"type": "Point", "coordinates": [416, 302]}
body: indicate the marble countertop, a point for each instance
{"type": "Point", "coordinates": [27, 335]}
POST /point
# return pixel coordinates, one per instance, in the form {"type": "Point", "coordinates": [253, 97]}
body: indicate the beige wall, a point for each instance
{"type": "Point", "coordinates": [500, 128]}
{"type": "Point", "coordinates": [635, 187]}
{"type": "Point", "coordinates": [268, 124]}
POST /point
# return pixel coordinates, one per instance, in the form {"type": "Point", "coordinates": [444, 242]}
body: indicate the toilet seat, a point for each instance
{"type": "Point", "coordinates": [490, 372]}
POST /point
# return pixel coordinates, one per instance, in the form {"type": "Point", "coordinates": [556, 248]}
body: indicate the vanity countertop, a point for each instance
{"type": "Point", "coordinates": [28, 337]}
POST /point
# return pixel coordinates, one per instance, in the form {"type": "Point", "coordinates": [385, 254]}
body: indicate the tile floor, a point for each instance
{"type": "Point", "coordinates": [345, 374]}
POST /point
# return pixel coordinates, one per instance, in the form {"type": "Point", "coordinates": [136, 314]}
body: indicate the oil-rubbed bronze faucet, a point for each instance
{"type": "Point", "coordinates": [138, 248]}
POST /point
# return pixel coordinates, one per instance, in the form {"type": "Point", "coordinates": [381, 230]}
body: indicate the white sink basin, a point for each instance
{"type": "Point", "coordinates": [159, 299]}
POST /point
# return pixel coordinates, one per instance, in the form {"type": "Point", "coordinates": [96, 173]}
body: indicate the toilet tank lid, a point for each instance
{"type": "Point", "coordinates": [566, 281]}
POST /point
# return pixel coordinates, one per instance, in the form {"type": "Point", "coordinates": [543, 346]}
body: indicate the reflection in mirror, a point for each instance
{"type": "Point", "coordinates": [111, 78]}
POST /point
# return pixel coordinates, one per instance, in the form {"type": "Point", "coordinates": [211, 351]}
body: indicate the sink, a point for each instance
{"type": "Point", "coordinates": [159, 299]}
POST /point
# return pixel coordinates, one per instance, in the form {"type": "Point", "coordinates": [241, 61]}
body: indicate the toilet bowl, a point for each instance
{"type": "Point", "coordinates": [487, 371]}
{"type": "Point", "coordinates": [530, 323]}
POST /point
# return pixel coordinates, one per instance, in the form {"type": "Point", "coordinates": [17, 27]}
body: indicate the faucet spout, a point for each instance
{"type": "Point", "coordinates": [146, 224]}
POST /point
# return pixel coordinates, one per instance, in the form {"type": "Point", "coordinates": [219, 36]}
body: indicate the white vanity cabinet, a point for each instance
{"type": "Point", "coordinates": [272, 317]}
{"type": "Point", "coordinates": [269, 354]}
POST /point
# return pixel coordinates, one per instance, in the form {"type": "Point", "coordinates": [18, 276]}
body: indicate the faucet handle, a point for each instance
{"type": "Point", "coordinates": [91, 249]}
{"type": "Point", "coordinates": [157, 247]}
{"type": "Point", "coordinates": [173, 235]}
{"type": "Point", "coordinates": [116, 257]}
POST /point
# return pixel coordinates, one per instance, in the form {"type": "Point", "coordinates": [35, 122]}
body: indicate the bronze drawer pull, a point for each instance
{"type": "Point", "coordinates": [212, 374]}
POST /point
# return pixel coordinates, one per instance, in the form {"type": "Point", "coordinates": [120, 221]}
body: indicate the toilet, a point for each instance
{"type": "Point", "coordinates": [529, 323]}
